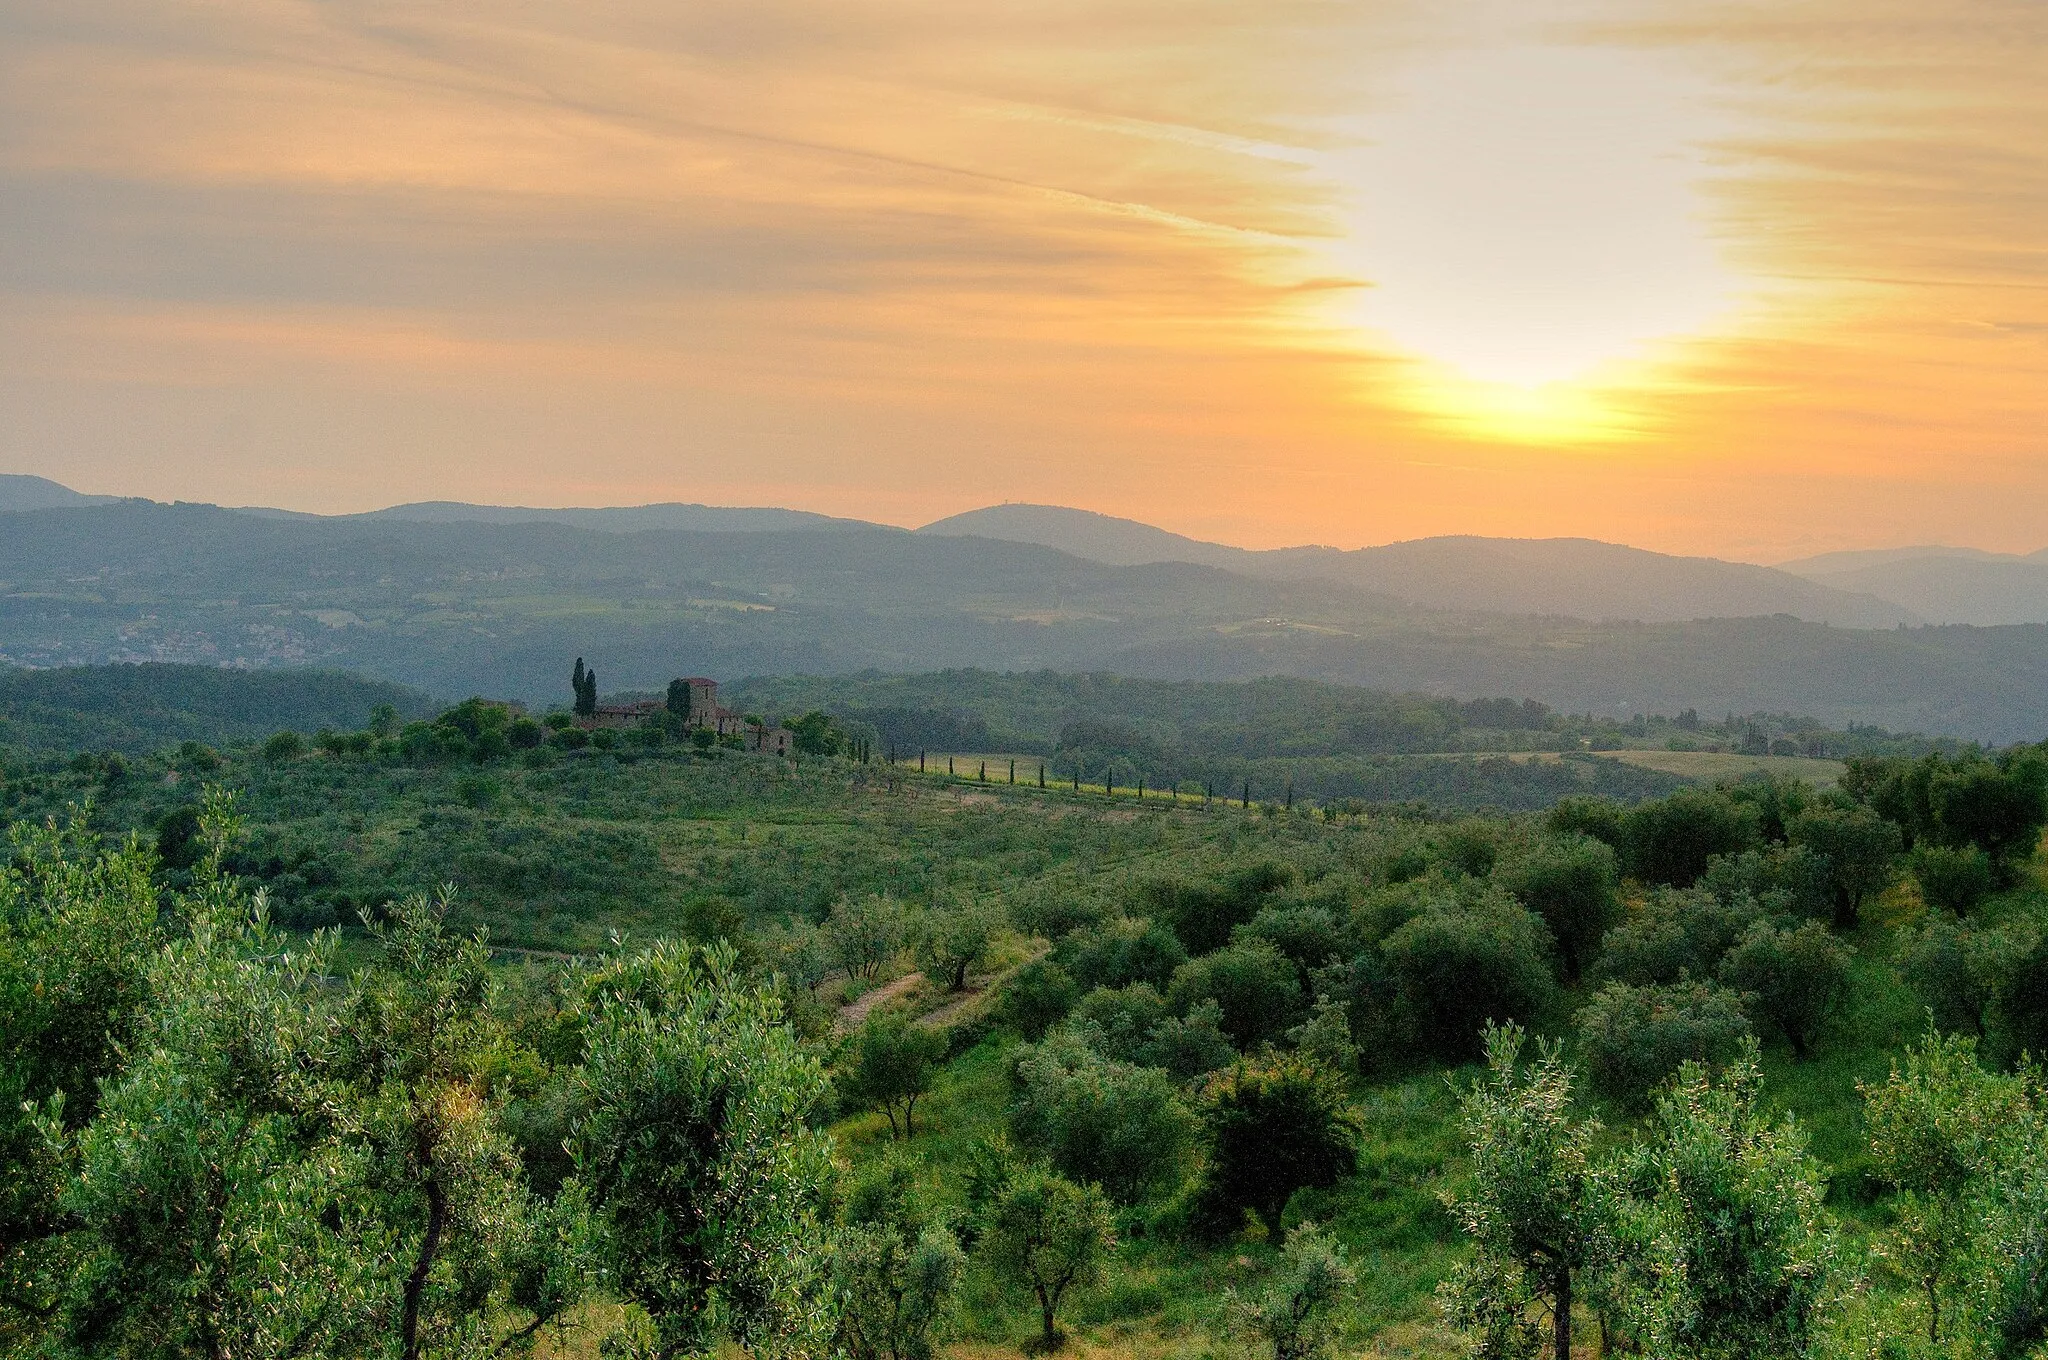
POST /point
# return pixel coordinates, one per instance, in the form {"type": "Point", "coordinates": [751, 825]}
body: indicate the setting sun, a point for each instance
{"type": "Point", "coordinates": [1529, 223]}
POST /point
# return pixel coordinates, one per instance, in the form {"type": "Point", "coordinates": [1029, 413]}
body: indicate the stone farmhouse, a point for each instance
{"type": "Point", "coordinates": [706, 713]}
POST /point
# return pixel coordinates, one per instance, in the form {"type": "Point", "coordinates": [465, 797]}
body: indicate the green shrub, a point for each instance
{"type": "Point", "coordinates": [1192, 1045]}
{"type": "Point", "coordinates": [1585, 815]}
{"type": "Point", "coordinates": [1675, 933]}
{"type": "Point", "coordinates": [1792, 979]}
{"type": "Point", "coordinates": [1464, 963]}
{"type": "Point", "coordinates": [1052, 912]}
{"type": "Point", "coordinates": [2020, 1013]}
{"type": "Point", "coordinates": [1670, 841]}
{"type": "Point", "coordinates": [1097, 1120]}
{"type": "Point", "coordinates": [1119, 952]}
{"type": "Point", "coordinates": [1793, 880]}
{"type": "Point", "coordinates": [889, 1064]}
{"type": "Point", "coordinates": [1273, 1127]}
{"type": "Point", "coordinates": [1470, 847]}
{"type": "Point", "coordinates": [283, 746]}
{"type": "Point", "coordinates": [1952, 878]}
{"type": "Point", "coordinates": [1202, 914]}
{"type": "Point", "coordinates": [1632, 1040]}
{"type": "Point", "coordinates": [1119, 1022]}
{"type": "Point", "coordinates": [1957, 972]}
{"type": "Point", "coordinates": [1256, 987]}
{"type": "Point", "coordinates": [1037, 997]}
{"type": "Point", "coordinates": [1294, 1315]}
{"type": "Point", "coordinates": [894, 1268]}
{"type": "Point", "coordinates": [1309, 934]}
{"type": "Point", "coordinates": [1570, 883]}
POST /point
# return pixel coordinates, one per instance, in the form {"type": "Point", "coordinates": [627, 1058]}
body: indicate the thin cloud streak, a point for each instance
{"type": "Point", "coordinates": [902, 258]}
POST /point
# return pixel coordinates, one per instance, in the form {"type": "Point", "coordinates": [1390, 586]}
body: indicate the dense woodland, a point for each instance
{"type": "Point", "coordinates": [482, 1035]}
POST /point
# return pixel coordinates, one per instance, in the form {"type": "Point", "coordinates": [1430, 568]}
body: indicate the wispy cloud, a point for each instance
{"type": "Point", "coordinates": [917, 255]}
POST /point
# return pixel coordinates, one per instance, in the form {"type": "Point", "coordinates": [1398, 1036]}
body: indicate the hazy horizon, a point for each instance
{"type": "Point", "coordinates": [1705, 279]}
{"type": "Point", "coordinates": [924, 523]}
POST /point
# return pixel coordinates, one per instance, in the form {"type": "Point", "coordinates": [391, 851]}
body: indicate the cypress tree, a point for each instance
{"type": "Point", "coordinates": [576, 684]}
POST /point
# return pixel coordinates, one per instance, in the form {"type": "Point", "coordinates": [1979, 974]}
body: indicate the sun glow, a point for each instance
{"type": "Point", "coordinates": [1530, 222]}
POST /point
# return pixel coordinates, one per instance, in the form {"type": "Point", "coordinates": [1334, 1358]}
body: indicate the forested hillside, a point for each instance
{"type": "Point", "coordinates": [828, 1055]}
{"type": "Point", "coordinates": [137, 709]}
{"type": "Point", "coordinates": [463, 607]}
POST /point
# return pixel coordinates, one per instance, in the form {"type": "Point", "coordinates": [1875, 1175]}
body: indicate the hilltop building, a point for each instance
{"type": "Point", "coordinates": [706, 714]}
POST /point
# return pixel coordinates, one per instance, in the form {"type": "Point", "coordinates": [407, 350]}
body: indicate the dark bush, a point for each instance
{"type": "Point", "coordinates": [1470, 847]}
{"type": "Point", "coordinates": [1310, 935]}
{"type": "Point", "coordinates": [1670, 840]}
{"type": "Point", "coordinates": [1120, 952]}
{"type": "Point", "coordinates": [283, 746]}
{"type": "Point", "coordinates": [1120, 1022]}
{"type": "Point", "coordinates": [1256, 987]}
{"type": "Point", "coordinates": [1632, 1039]}
{"type": "Point", "coordinates": [1861, 850]}
{"type": "Point", "coordinates": [2020, 1014]}
{"type": "Point", "coordinates": [1676, 933]}
{"type": "Point", "coordinates": [1792, 980]}
{"type": "Point", "coordinates": [1952, 878]}
{"type": "Point", "coordinates": [1570, 883]}
{"type": "Point", "coordinates": [1037, 997]}
{"type": "Point", "coordinates": [1790, 880]}
{"type": "Point", "coordinates": [1202, 914]}
{"type": "Point", "coordinates": [1272, 1128]}
{"type": "Point", "coordinates": [1461, 964]}
{"type": "Point", "coordinates": [1584, 815]}
{"type": "Point", "coordinates": [1957, 972]}
{"type": "Point", "coordinates": [1190, 1046]}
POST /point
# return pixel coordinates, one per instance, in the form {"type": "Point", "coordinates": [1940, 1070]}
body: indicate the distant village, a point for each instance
{"type": "Point", "coordinates": [692, 702]}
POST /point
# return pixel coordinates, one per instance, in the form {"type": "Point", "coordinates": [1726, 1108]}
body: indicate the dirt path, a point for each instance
{"type": "Point", "coordinates": [856, 1011]}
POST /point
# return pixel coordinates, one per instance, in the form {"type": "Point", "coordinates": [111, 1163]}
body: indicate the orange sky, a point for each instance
{"type": "Point", "coordinates": [1751, 279]}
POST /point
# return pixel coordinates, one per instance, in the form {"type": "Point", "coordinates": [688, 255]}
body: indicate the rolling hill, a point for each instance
{"type": "Point", "coordinates": [1945, 584]}
{"type": "Point", "coordinates": [1565, 577]}
{"type": "Point", "coordinates": [463, 607]}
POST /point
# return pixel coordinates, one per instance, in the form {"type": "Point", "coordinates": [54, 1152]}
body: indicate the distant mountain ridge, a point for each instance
{"type": "Point", "coordinates": [1563, 577]}
{"type": "Point", "coordinates": [621, 519]}
{"type": "Point", "coordinates": [464, 608]}
{"type": "Point", "coordinates": [21, 492]}
{"type": "Point", "coordinates": [1558, 577]}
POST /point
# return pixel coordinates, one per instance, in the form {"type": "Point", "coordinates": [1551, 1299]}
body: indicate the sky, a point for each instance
{"type": "Point", "coordinates": [1749, 279]}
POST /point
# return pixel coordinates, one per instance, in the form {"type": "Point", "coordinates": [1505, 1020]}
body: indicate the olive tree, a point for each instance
{"type": "Point", "coordinates": [1726, 1251]}
{"type": "Point", "coordinates": [1936, 1126]}
{"type": "Point", "coordinates": [1098, 1120]}
{"type": "Point", "coordinates": [1634, 1039]}
{"type": "Point", "coordinates": [1273, 1127]}
{"type": "Point", "coordinates": [1293, 1314]}
{"type": "Point", "coordinates": [1534, 1208]}
{"type": "Point", "coordinates": [696, 1145]}
{"type": "Point", "coordinates": [1570, 883]}
{"type": "Point", "coordinates": [1049, 1234]}
{"type": "Point", "coordinates": [1794, 979]}
{"type": "Point", "coordinates": [895, 1266]}
{"type": "Point", "coordinates": [954, 940]}
{"type": "Point", "coordinates": [889, 1064]}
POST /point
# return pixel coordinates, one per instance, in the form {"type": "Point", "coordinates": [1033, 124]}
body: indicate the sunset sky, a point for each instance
{"type": "Point", "coordinates": [1755, 279]}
